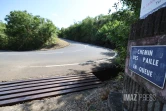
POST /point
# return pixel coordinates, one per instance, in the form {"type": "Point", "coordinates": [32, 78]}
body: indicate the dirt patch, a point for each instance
{"type": "Point", "coordinates": [59, 44]}
{"type": "Point", "coordinates": [89, 100]}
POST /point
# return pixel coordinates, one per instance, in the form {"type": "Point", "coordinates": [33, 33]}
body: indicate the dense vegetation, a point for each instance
{"type": "Point", "coordinates": [110, 30]}
{"type": "Point", "coordinates": [3, 38]}
{"type": "Point", "coordinates": [23, 31]}
{"type": "Point", "coordinates": [132, 5]}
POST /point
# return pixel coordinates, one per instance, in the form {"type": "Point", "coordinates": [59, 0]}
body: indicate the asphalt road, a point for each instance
{"type": "Point", "coordinates": [76, 58]}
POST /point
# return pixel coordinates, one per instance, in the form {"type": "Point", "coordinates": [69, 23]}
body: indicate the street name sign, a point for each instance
{"type": "Point", "coordinates": [149, 62]}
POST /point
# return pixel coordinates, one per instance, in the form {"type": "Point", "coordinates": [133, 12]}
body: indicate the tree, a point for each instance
{"type": "Point", "coordinates": [27, 32]}
{"type": "Point", "coordinates": [3, 37]}
{"type": "Point", "coordinates": [117, 31]}
{"type": "Point", "coordinates": [133, 5]}
{"type": "Point", "coordinates": [106, 30]}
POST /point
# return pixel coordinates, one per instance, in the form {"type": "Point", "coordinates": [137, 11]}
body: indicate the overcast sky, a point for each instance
{"type": "Point", "coordinates": [63, 13]}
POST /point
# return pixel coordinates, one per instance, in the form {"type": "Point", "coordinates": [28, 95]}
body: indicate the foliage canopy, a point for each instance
{"type": "Point", "coordinates": [105, 30]}
{"type": "Point", "coordinates": [3, 38]}
{"type": "Point", "coordinates": [27, 32]}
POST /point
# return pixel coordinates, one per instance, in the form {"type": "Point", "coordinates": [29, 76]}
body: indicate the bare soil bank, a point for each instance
{"type": "Point", "coordinates": [59, 44]}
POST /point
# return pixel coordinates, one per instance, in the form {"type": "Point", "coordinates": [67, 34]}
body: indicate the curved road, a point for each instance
{"type": "Point", "coordinates": [76, 58]}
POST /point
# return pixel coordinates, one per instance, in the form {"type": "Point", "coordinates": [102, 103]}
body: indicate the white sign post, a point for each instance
{"type": "Point", "coordinates": [150, 6]}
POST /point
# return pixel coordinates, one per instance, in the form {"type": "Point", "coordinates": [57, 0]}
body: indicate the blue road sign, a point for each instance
{"type": "Point", "coordinates": [149, 62]}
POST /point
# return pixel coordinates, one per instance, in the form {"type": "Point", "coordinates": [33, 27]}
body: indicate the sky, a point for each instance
{"type": "Point", "coordinates": [63, 13]}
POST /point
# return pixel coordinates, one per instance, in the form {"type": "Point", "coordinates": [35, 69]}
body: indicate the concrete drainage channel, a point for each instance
{"type": "Point", "coordinates": [107, 73]}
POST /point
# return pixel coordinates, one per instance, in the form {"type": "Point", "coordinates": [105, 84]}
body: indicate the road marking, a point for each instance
{"type": "Point", "coordinates": [51, 53]}
{"type": "Point", "coordinates": [57, 65]}
{"type": "Point", "coordinates": [72, 64]}
{"type": "Point", "coordinates": [20, 53]}
{"type": "Point", "coordinates": [41, 52]}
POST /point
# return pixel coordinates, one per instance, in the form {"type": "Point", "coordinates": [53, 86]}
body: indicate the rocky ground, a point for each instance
{"type": "Point", "coordinates": [89, 100]}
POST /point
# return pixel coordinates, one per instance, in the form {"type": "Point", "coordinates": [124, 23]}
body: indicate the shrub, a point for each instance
{"type": "Point", "coordinates": [27, 32]}
{"type": "Point", "coordinates": [3, 37]}
{"type": "Point", "coordinates": [105, 30]}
